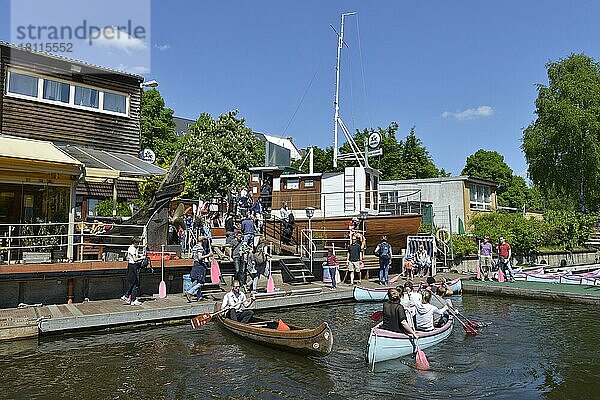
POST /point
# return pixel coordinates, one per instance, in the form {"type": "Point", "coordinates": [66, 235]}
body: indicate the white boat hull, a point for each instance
{"type": "Point", "coordinates": [385, 345]}
{"type": "Point", "coordinates": [362, 293]}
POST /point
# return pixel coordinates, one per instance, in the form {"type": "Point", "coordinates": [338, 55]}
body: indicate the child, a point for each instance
{"type": "Point", "coordinates": [408, 266]}
{"type": "Point", "coordinates": [333, 263]}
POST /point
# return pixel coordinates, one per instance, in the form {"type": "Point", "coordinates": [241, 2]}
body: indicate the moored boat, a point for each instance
{"type": "Point", "coordinates": [386, 345]}
{"type": "Point", "coordinates": [311, 342]}
{"type": "Point", "coordinates": [362, 293]}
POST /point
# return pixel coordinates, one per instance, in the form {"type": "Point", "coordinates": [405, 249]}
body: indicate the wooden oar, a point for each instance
{"type": "Point", "coordinates": [202, 319]}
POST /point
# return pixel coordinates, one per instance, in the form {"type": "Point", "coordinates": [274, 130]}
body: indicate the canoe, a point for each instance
{"type": "Point", "coordinates": [386, 345]}
{"type": "Point", "coordinates": [362, 293]}
{"type": "Point", "coordinates": [310, 342]}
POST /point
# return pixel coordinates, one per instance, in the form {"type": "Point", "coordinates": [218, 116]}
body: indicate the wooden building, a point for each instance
{"type": "Point", "coordinates": [69, 137]}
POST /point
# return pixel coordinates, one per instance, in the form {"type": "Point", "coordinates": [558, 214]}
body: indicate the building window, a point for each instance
{"type": "Point", "coordinates": [480, 198]}
{"type": "Point", "coordinates": [115, 102]}
{"type": "Point", "coordinates": [86, 97]}
{"type": "Point", "coordinates": [292, 184]}
{"type": "Point", "coordinates": [23, 84]}
{"type": "Point", "coordinates": [309, 183]}
{"type": "Point", "coordinates": [91, 207]}
{"type": "Point", "coordinates": [56, 91]}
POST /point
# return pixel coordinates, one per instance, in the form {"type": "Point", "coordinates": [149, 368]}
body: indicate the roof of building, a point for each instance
{"type": "Point", "coordinates": [182, 125]}
{"type": "Point", "coordinates": [283, 142]}
{"type": "Point", "coordinates": [69, 60]}
{"type": "Point", "coordinates": [440, 180]}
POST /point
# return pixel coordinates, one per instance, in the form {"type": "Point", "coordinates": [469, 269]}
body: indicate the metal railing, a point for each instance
{"type": "Point", "coordinates": [47, 242]}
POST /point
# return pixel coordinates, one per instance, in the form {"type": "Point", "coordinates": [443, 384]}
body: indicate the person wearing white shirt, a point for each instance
{"type": "Point", "coordinates": [133, 274]}
{"type": "Point", "coordinates": [238, 303]}
{"type": "Point", "coordinates": [410, 299]}
{"type": "Point", "coordinates": [426, 313]}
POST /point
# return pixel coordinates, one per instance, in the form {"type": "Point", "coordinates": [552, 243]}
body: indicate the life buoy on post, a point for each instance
{"type": "Point", "coordinates": [443, 235]}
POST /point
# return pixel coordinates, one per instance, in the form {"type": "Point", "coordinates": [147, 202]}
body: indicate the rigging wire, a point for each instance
{"type": "Point", "coordinates": [303, 97]}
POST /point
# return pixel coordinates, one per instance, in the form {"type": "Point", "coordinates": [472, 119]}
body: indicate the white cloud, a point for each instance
{"type": "Point", "coordinates": [470, 113]}
{"type": "Point", "coordinates": [163, 47]}
{"type": "Point", "coordinates": [137, 69]}
{"type": "Point", "coordinates": [119, 39]}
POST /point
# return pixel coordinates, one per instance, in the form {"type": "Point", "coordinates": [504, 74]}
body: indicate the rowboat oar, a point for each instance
{"type": "Point", "coordinates": [469, 329]}
{"type": "Point", "coordinates": [377, 316]}
{"type": "Point", "coordinates": [473, 324]}
{"type": "Point", "coordinates": [202, 319]}
{"type": "Point", "coordinates": [394, 279]}
{"type": "Point", "coordinates": [421, 362]}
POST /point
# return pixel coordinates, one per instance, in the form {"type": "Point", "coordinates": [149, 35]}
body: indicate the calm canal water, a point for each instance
{"type": "Point", "coordinates": [529, 350]}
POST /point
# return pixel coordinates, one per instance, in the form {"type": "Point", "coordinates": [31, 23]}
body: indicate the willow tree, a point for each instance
{"type": "Point", "coordinates": [562, 146]}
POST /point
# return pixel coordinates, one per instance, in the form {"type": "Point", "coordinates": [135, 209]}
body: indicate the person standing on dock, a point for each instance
{"type": "Point", "coordinates": [333, 263]}
{"type": "Point", "coordinates": [236, 243]}
{"type": "Point", "coordinates": [355, 256]}
{"type": "Point", "coordinates": [504, 259]}
{"type": "Point", "coordinates": [134, 266]}
{"type": "Point", "coordinates": [384, 252]}
{"type": "Point", "coordinates": [236, 300]}
{"type": "Point", "coordinates": [485, 258]}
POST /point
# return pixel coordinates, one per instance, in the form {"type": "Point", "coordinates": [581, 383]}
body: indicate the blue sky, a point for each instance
{"type": "Point", "coordinates": [464, 72]}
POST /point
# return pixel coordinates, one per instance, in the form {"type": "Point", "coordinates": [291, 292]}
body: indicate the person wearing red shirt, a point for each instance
{"type": "Point", "coordinates": [504, 256]}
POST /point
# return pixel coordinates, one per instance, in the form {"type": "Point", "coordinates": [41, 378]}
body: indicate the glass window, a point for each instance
{"type": "Point", "coordinates": [86, 97]}
{"type": "Point", "coordinates": [309, 183]}
{"type": "Point", "coordinates": [480, 198]}
{"type": "Point", "coordinates": [56, 91]}
{"type": "Point", "coordinates": [292, 184]}
{"type": "Point", "coordinates": [23, 84]}
{"type": "Point", "coordinates": [115, 102]}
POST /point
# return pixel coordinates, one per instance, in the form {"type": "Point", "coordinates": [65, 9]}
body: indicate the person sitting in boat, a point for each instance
{"type": "Point", "coordinates": [427, 313]}
{"type": "Point", "coordinates": [446, 287]}
{"type": "Point", "coordinates": [394, 315]}
{"type": "Point", "coordinates": [238, 303]}
{"type": "Point", "coordinates": [410, 298]}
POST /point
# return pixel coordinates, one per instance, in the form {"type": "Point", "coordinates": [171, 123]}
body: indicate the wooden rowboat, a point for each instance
{"type": "Point", "coordinates": [310, 342]}
{"type": "Point", "coordinates": [362, 293]}
{"type": "Point", "coordinates": [386, 345]}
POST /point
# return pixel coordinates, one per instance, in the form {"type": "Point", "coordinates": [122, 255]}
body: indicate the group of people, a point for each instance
{"type": "Point", "coordinates": [408, 311]}
{"type": "Point", "coordinates": [419, 265]}
{"type": "Point", "coordinates": [504, 259]}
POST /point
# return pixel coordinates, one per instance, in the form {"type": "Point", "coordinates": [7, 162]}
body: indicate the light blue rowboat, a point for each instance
{"type": "Point", "coordinates": [386, 345]}
{"type": "Point", "coordinates": [362, 293]}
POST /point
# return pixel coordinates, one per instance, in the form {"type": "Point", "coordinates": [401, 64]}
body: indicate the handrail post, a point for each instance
{"type": "Point", "coordinates": [81, 243]}
{"type": "Point", "coordinates": [9, 243]}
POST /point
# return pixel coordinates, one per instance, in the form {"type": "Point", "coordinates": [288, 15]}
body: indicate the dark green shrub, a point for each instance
{"type": "Point", "coordinates": [464, 245]}
{"type": "Point", "coordinates": [105, 207]}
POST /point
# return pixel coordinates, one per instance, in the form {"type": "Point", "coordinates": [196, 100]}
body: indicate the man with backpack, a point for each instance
{"type": "Point", "coordinates": [200, 254]}
{"type": "Point", "coordinates": [384, 252]}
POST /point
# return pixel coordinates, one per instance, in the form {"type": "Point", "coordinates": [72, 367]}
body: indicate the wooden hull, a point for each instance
{"type": "Point", "coordinates": [361, 293]}
{"type": "Point", "coordinates": [309, 342]}
{"type": "Point", "coordinates": [396, 227]}
{"type": "Point", "coordinates": [385, 345]}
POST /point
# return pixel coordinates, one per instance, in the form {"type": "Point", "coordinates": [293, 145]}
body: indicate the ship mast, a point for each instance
{"type": "Point", "coordinates": [356, 154]}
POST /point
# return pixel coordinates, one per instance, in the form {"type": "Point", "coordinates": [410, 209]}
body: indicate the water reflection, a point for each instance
{"type": "Point", "coordinates": [527, 350]}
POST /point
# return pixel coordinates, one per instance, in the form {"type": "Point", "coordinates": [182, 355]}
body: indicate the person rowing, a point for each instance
{"type": "Point", "coordinates": [428, 313]}
{"type": "Point", "coordinates": [238, 303]}
{"type": "Point", "coordinates": [394, 315]}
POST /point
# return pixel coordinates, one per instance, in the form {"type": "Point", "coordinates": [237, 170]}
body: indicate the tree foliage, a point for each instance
{"type": "Point", "coordinates": [158, 128]}
{"type": "Point", "coordinates": [562, 146]}
{"type": "Point", "coordinates": [219, 153]}
{"type": "Point", "coordinates": [406, 159]}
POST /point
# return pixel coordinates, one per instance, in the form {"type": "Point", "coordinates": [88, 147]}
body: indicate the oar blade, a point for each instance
{"type": "Point", "coordinates": [469, 330]}
{"type": "Point", "coordinates": [200, 320]}
{"type": "Point", "coordinates": [421, 362]}
{"type": "Point", "coordinates": [377, 316]}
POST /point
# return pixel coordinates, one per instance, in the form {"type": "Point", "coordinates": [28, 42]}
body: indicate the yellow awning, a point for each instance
{"type": "Point", "coordinates": [34, 150]}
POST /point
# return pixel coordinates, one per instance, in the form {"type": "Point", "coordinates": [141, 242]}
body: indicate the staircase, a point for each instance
{"type": "Point", "coordinates": [594, 239]}
{"type": "Point", "coordinates": [294, 271]}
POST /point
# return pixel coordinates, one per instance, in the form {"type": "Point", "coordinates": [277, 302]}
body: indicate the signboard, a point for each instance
{"type": "Point", "coordinates": [374, 140]}
{"type": "Point", "coordinates": [148, 156]}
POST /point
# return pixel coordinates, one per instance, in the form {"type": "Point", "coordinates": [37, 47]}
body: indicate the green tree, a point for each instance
{"type": "Point", "coordinates": [158, 128]}
{"type": "Point", "coordinates": [389, 162]}
{"type": "Point", "coordinates": [219, 153]}
{"type": "Point", "coordinates": [415, 161]}
{"type": "Point", "coordinates": [512, 189]}
{"type": "Point", "coordinates": [562, 146]}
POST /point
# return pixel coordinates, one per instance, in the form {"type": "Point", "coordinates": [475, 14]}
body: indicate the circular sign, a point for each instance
{"type": "Point", "coordinates": [374, 140]}
{"type": "Point", "coordinates": [148, 155]}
